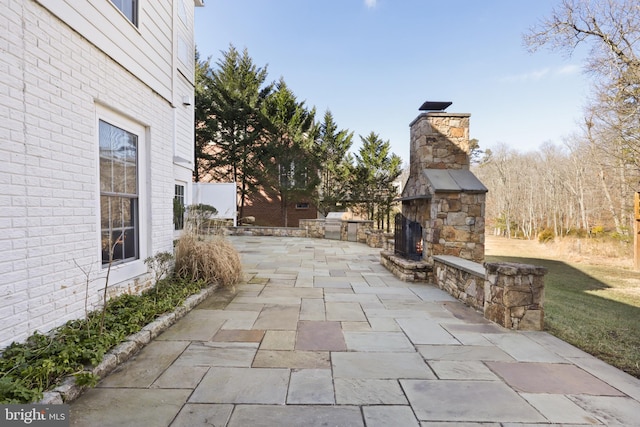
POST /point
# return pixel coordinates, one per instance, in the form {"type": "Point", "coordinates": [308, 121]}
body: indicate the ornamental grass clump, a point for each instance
{"type": "Point", "coordinates": [213, 260]}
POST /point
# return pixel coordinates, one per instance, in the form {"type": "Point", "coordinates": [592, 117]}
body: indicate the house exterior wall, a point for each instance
{"type": "Point", "coordinates": [266, 208]}
{"type": "Point", "coordinates": [66, 65]}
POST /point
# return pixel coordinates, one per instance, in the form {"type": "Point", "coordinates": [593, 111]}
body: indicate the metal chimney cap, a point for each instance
{"type": "Point", "coordinates": [434, 106]}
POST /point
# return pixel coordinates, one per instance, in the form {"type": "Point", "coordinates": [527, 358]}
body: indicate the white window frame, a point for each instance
{"type": "Point", "coordinates": [129, 269]}
{"type": "Point", "coordinates": [184, 202]}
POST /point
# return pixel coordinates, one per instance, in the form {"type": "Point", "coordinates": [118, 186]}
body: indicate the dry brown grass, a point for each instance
{"type": "Point", "coordinates": [595, 251]}
{"type": "Point", "coordinates": [212, 259]}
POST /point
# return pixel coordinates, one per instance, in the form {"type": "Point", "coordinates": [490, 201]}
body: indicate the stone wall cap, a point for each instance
{"type": "Point", "coordinates": [514, 268]}
{"type": "Point", "coordinates": [438, 114]}
{"type": "Point", "coordinates": [461, 263]}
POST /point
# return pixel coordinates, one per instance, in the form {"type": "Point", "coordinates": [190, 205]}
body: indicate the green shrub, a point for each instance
{"type": "Point", "coordinates": [39, 364]}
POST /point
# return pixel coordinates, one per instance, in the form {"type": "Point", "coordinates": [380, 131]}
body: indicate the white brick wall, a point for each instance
{"type": "Point", "coordinates": [54, 84]}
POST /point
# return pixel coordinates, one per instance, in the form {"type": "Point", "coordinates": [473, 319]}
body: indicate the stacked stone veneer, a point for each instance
{"type": "Point", "coordinates": [379, 239]}
{"type": "Point", "coordinates": [314, 228]}
{"type": "Point", "coordinates": [404, 269]}
{"type": "Point", "coordinates": [439, 141]}
{"type": "Point", "coordinates": [514, 295]}
{"type": "Point", "coordinates": [462, 279]}
{"type": "Point", "coordinates": [453, 221]}
{"type": "Point", "coordinates": [509, 294]}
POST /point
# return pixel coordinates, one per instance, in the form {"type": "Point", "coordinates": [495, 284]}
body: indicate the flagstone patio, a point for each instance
{"type": "Point", "coordinates": [321, 334]}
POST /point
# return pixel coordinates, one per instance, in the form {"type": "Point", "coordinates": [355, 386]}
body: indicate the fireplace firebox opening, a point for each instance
{"type": "Point", "coordinates": [408, 238]}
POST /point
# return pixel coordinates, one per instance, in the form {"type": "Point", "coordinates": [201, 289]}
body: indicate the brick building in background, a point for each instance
{"type": "Point", "coordinates": [97, 137]}
{"type": "Point", "coordinates": [267, 210]}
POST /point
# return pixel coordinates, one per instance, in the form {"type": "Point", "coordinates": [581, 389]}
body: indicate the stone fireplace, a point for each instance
{"type": "Point", "coordinates": [441, 228]}
{"type": "Point", "coordinates": [441, 193]}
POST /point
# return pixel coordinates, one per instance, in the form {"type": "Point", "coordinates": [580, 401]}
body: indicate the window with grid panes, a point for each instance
{"type": "Point", "coordinates": [118, 194]}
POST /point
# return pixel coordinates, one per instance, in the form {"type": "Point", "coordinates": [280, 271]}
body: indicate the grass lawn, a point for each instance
{"type": "Point", "coordinates": [593, 305]}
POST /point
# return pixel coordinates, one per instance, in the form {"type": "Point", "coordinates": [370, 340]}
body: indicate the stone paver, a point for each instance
{"type": "Point", "coordinates": [321, 334]}
{"type": "Point", "coordinates": [352, 391]}
{"type": "Point", "coordinates": [116, 407]}
{"type": "Point", "coordinates": [488, 401]}
{"type": "Point", "coordinates": [379, 365]}
{"type": "Point", "coordinates": [278, 340]}
{"type": "Point", "coordinates": [311, 386]}
{"type": "Point", "coordinates": [217, 354]}
{"type": "Point", "coordinates": [551, 378]}
{"type": "Point", "coordinates": [291, 359]}
{"type": "Point", "coordinates": [385, 416]}
{"type": "Point", "coordinates": [378, 341]}
{"type": "Point", "coordinates": [149, 364]}
{"type": "Point", "coordinates": [422, 331]}
{"type": "Point", "coordinates": [200, 414]}
{"type": "Point", "coordinates": [242, 385]}
{"type": "Point", "coordinates": [326, 336]}
{"type": "Point", "coordinates": [296, 416]}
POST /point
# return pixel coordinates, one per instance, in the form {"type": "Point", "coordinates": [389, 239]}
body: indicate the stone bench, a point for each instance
{"type": "Point", "coordinates": [510, 294]}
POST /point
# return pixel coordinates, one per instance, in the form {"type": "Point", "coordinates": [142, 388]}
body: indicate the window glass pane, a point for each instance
{"type": "Point", "coordinates": [178, 207]}
{"type": "Point", "coordinates": [105, 139]}
{"type": "Point", "coordinates": [105, 212]}
{"type": "Point", "coordinates": [130, 245]}
{"type": "Point", "coordinates": [117, 220]}
{"type": "Point", "coordinates": [128, 7]}
{"type": "Point", "coordinates": [105, 246]}
{"type": "Point", "coordinates": [106, 175]}
{"type": "Point", "coordinates": [117, 244]}
{"type": "Point", "coordinates": [118, 177]}
{"type": "Point", "coordinates": [130, 186]}
{"type": "Point", "coordinates": [128, 212]}
{"type": "Point", "coordinates": [123, 145]}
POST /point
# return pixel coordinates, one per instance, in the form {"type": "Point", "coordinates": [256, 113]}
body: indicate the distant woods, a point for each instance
{"type": "Point", "coordinates": [257, 134]}
{"type": "Point", "coordinates": [585, 185]}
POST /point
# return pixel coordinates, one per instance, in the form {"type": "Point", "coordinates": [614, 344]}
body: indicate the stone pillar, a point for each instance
{"type": "Point", "coordinates": [514, 295]}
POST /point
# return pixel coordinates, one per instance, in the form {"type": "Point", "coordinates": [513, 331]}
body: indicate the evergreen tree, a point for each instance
{"type": "Point", "coordinates": [205, 123]}
{"type": "Point", "coordinates": [335, 164]}
{"type": "Point", "coordinates": [290, 162]}
{"type": "Point", "coordinates": [235, 93]}
{"type": "Point", "coordinates": [372, 185]}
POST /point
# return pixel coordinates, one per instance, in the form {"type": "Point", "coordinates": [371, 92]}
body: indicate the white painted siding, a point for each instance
{"type": "Point", "coordinates": [146, 51]}
{"type": "Point", "coordinates": [184, 123]}
{"type": "Point", "coordinates": [185, 25]}
{"type": "Point", "coordinates": [58, 80]}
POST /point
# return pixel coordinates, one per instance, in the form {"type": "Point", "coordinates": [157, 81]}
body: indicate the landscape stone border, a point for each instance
{"type": "Point", "coordinates": [68, 390]}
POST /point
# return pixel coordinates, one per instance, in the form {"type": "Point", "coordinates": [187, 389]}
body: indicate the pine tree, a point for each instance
{"type": "Point", "coordinates": [290, 163]}
{"type": "Point", "coordinates": [234, 96]}
{"type": "Point", "coordinates": [205, 123]}
{"type": "Point", "coordinates": [372, 185]}
{"type": "Point", "coordinates": [335, 164]}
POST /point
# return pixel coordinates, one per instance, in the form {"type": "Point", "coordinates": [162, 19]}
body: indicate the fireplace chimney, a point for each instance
{"type": "Point", "coordinates": [441, 193]}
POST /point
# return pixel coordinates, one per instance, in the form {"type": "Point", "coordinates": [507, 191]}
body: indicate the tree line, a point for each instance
{"type": "Point", "coordinates": [259, 135]}
{"type": "Point", "coordinates": [585, 185]}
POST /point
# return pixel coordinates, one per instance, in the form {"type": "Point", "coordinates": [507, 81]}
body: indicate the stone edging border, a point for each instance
{"type": "Point", "coordinates": [67, 391]}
